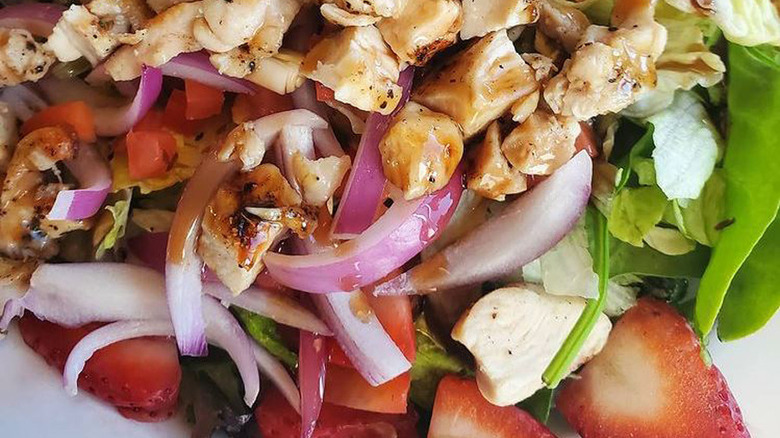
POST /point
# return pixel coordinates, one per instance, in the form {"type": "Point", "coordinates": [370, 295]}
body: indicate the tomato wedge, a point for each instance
{"type": "Point", "coordinates": [202, 101]}
{"type": "Point", "coordinates": [150, 153]}
{"type": "Point", "coordinates": [263, 103]}
{"type": "Point", "coordinates": [175, 117]}
{"type": "Point", "coordinates": [76, 115]}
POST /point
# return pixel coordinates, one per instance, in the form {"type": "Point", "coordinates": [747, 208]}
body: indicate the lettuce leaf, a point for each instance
{"type": "Point", "coordinates": [628, 259]}
{"type": "Point", "coordinates": [431, 364]}
{"type": "Point", "coordinates": [752, 172]}
{"type": "Point", "coordinates": [700, 218]}
{"type": "Point", "coordinates": [264, 331]}
{"type": "Point", "coordinates": [119, 213]}
{"type": "Point", "coordinates": [635, 211]}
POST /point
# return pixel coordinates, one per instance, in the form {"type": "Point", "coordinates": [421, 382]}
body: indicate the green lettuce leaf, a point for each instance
{"type": "Point", "coordinates": [701, 218]}
{"type": "Point", "coordinates": [540, 404]}
{"type": "Point", "coordinates": [635, 211]}
{"type": "Point", "coordinates": [264, 331]}
{"type": "Point", "coordinates": [752, 172]}
{"type": "Point", "coordinates": [629, 259]}
{"type": "Point", "coordinates": [745, 22]}
{"type": "Point", "coordinates": [119, 212]}
{"type": "Point", "coordinates": [431, 364]}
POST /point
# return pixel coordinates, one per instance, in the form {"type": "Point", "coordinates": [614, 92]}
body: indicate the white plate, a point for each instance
{"type": "Point", "coordinates": [33, 403]}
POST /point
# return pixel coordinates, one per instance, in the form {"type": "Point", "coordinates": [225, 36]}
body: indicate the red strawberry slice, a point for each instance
{"type": "Point", "coordinates": [650, 381]}
{"type": "Point", "coordinates": [460, 411]}
{"type": "Point", "coordinates": [277, 419]}
{"type": "Point", "coordinates": [139, 376]}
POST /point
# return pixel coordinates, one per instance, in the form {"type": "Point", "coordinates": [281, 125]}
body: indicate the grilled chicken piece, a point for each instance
{"type": "Point", "coordinates": [420, 150]}
{"type": "Point", "coordinates": [542, 143]}
{"type": "Point", "coordinates": [229, 24]}
{"type": "Point", "coordinates": [168, 34]}
{"type": "Point", "coordinates": [161, 5]}
{"type": "Point", "coordinates": [319, 179]}
{"type": "Point", "coordinates": [422, 29]}
{"type": "Point", "coordinates": [480, 84]}
{"type": "Point", "coordinates": [491, 175]}
{"type": "Point", "coordinates": [134, 13]}
{"type": "Point", "coordinates": [21, 57]}
{"type": "Point", "coordinates": [514, 333]}
{"type": "Point", "coordinates": [8, 136]}
{"type": "Point", "coordinates": [26, 197]}
{"type": "Point", "coordinates": [359, 67]}
{"type": "Point", "coordinates": [482, 17]}
{"type": "Point", "coordinates": [232, 241]}
{"type": "Point", "coordinates": [341, 17]}
{"type": "Point", "coordinates": [378, 8]}
{"type": "Point", "coordinates": [79, 33]}
{"type": "Point", "coordinates": [611, 66]}
{"type": "Point", "coordinates": [562, 23]}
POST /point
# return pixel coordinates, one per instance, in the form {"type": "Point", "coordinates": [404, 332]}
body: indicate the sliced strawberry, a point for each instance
{"type": "Point", "coordinates": [460, 410]}
{"type": "Point", "coordinates": [277, 419]}
{"type": "Point", "coordinates": [139, 376]}
{"type": "Point", "coordinates": [650, 381]}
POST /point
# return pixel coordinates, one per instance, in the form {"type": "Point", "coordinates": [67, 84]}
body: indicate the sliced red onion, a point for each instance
{"type": "Point", "coordinates": [24, 102]}
{"type": "Point", "coordinates": [38, 18]}
{"type": "Point", "coordinates": [277, 373]}
{"type": "Point", "coordinates": [196, 66]}
{"type": "Point", "coordinates": [103, 337]}
{"type": "Point", "coordinates": [294, 139]}
{"type": "Point", "coordinates": [366, 182]}
{"type": "Point", "coordinates": [94, 176]}
{"type": "Point", "coordinates": [110, 122]}
{"type": "Point", "coordinates": [312, 356]}
{"type": "Point", "coordinates": [11, 309]}
{"type": "Point", "coordinates": [150, 249]}
{"type": "Point", "coordinates": [183, 266]}
{"type": "Point", "coordinates": [400, 234]}
{"type": "Point", "coordinates": [324, 140]}
{"type": "Point", "coordinates": [522, 232]}
{"type": "Point", "coordinates": [224, 331]}
{"type": "Point", "coordinates": [362, 337]}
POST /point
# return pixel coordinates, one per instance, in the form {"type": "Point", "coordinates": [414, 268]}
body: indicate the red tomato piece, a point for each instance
{"type": "Point", "coordinates": [202, 101]}
{"type": "Point", "coordinates": [324, 94]}
{"type": "Point", "coordinates": [277, 419]}
{"type": "Point", "coordinates": [460, 411]}
{"type": "Point", "coordinates": [76, 115]}
{"type": "Point", "coordinates": [175, 117]}
{"type": "Point", "coordinates": [152, 121]}
{"type": "Point", "coordinates": [150, 153]}
{"type": "Point", "coordinates": [263, 103]}
{"type": "Point", "coordinates": [139, 376]}
{"type": "Point", "coordinates": [587, 140]}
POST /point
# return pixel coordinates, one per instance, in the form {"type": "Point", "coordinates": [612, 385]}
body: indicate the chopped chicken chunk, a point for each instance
{"type": "Point", "coordinates": [420, 150]}
{"type": "Point", "coordinates": [422, 29]}
{"type": "Point", "coordinates": [480, 84]}
{"type": "Point", "coordinates": [380, 8]}
{"type": "Point", "coordinates": [359, 67]}
{"type": "Point", "coordinates": [122, 12]}
{"type": "Point", "coordinates": [514, 333]}
{"type": "Point", "coordinates": [79, 33]}
{"type": "Point", "coordinates": [562, 23]}
{"type": "Point", "coordinates": [611, 66]}
{"type": "Point", "coordinates": [319, 179]}
{"type": "Point", "coordinates": [341, 17]}
{"type": "Point", "coordinates": [231, 23]}
{"type": "Point", "coordinates": [484, 16]}
{"type": "Point", "coordinates": [232, 241]}
{"type": "Point", "coordinates": [21, 57]}
{"type": "Point", "coordinates": [26, 197]}
{"type": "Point", "coordinates": [167, 35]}
{"type": "Point", "coordinates": [161, 5]}
{"type": "Point", "coordinates": [8, 136]}
{"type": "Point", "coordinates": [491, 175]}
{"type": "Point", "coordinates": [542, 143]}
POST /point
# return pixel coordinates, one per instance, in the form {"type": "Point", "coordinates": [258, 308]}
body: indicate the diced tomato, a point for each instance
{"type": "Point", "coordinates": [152, 121]}
{"type": "Point", "coordinates": [324, 94]}
{"type": "Point", "coordinates": [202, 101]}
{"type": "Point", "coordinates": [346, 387]}
{"type": "Point", "coordinates": [263, 103]}
{"type": "Point", "coordinates": [76, 115]}
{"type": "Point", "coordinates": [587, 140]}
{"type": "Point", "coordinates": [277, 419]}
{"type": "Point", "coordinates": [175, 117]}
{"type": "Point", "coordinates": [150, 153]}
{"type": "Point", "coordinates": [460, 411]}
{"type": "Point", "coordinates": [139, 376]}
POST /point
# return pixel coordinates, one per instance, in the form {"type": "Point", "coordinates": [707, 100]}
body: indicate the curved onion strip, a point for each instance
{"type": "Point", "coordinates": [400, 234]}
{"type": "Point", "coordinates": [103, 337]}
{"type": "Point", "coordinates": [324, 140]}
{"type": "Point", "coordinates": [277, 373]}
{"type": "Point", "coordinates": [22, 100]}
{"type": "Point", "coordinates": [276, 306]}
{"type": "Point", "coordinates": [38, 18]}
{"type": "Point", "coordinates": [311, 378]}
{"type": "Point", "coordinates": [196, 66]}
{"type": "Point", "coordinates": [366, 181]}
{"type": "Point", "coordinates": [223, 330]}
{"type": "Point", "coordinates": [294, 139]}
{"type": "Point", "coordinates": [94, 176]}
{"type": "Point", "coordinates": [110, 122]}
{"type": "Point", "coordinates": [522, 232]}
{"type": "Point", "coordinates": [183, 266]}
{"type": "Point", "coordinates": [362, 337]}
{"type": "Point", "coordinates": [11, 309]}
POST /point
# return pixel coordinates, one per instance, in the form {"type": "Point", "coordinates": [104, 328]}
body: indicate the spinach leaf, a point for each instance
{"type": "Point", "coordinates": [264, 331]}
{"type": "Point", "coordinates": [753, 296]}
{"type": "Point", "coordinates": [641, 140]}
{"type": "Point", "coordinates": [629, 259]}
{"type": "Point", "coordinates": [752, 172]}
{"type": "Point", "coordinates": [539, 405]}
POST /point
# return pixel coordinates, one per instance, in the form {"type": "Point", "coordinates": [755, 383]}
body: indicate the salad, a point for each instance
{"type": "Point", "coordinates": [392, 218]}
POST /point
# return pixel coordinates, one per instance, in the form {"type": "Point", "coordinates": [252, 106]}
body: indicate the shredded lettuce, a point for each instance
{"type": "Point", "coordinates": [745, 22]}
{"type": "Point", "coordinates": [635, 211]}
{"type": "Point", "coordinates": [119, 212]}
{"type": "Point", "coordinates": [152, 220]}
{"type": "Point", "coordinates": [264, 331]}
{"type": "Point", "coordinates": [669, 241]}
{"type": "Point", "coordinates": [700, 218]}
{"type": "Point", "coordinates": [567, 268]}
